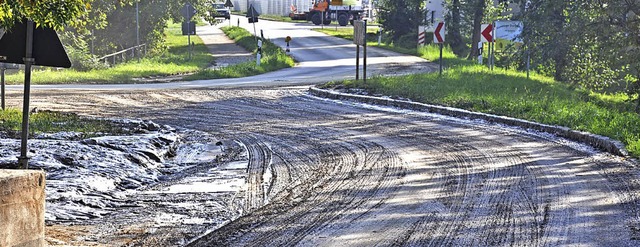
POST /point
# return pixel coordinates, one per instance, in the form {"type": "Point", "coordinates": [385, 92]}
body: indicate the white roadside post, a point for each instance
{"type": "Point", "coordinates": [259, 53]}
{"type": "Point", "coordinates": [379, 35]}
{"type": "Point", "coordinates": [287, 40]}
{"type": "Point", "coordinates": [480, 52]}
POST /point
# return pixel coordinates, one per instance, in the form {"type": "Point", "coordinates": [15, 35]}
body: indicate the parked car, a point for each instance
{"type": "Point", "coordinates": [220, 11]}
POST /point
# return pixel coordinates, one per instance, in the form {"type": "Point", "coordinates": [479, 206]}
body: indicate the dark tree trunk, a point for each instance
{"type": "Point", "coordinates": [561, 43]}
{"type": "Point", "coordinates": [477, 22]}
{"type": "Point", "coordinates": [457, 44]}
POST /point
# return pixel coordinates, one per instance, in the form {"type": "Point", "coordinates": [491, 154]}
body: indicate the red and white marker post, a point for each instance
{"type": "Point", "coordinates": [438, 38]}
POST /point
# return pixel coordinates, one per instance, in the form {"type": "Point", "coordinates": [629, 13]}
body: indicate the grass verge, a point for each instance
{"type": "Point", "coordinates": [273, 58]}
{"type": "Point", "coordinates": [503, 92]}
{"type": "Point", "coordinates": [175, 60]}
{"type": "Point", "coordinates": [280, 18]}
{"type": "Point", "coordinates": [53, 122]}
{"type": "Point", "coordinates": [372, 38]}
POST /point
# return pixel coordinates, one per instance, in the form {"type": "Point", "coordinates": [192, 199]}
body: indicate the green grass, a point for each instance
{"type": "Point", "coordinates": [174, 61]}
{"type": "Point", "coordinates": [280, 18]}
{"type": "Point", "coordinates": [372, 38]}
{"type": "Point", "coordinates": [473, 87]}
{"type": "Point", "coordinates": [273, 58]}
{"type": "Point", "coordinates": [52, 122]}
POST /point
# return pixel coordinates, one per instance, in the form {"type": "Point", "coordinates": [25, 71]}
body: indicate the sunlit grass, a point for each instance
{"type": "Point", "coordinates": [52, 122]}
{"type": "Point", "coordinates": [273, 58]}
{"type": "Point", "coordinates": [280, 18]}
{"type": "Point", "coordinates": [174, 61]}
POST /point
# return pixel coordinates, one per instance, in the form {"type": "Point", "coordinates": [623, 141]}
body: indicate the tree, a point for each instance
{"type": "Point", "coordinates": [52, 13]}
{"type": "Point", "coordinates": [401, 19]}
{"type": "Point", "coordinates": [478, 14]}
{"type": "Point", "coordinates": [454, 27]}
{"type": "Point", "coordinates": [620, 22]}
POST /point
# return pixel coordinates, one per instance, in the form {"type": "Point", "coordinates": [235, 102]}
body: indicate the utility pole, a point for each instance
{"type": "Point", "coordinates": [137, 24]}
{"type": "Point", "coordinates": [136, 52]}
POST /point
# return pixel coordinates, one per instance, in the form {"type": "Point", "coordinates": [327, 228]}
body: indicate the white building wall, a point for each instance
{"type": "Point", "coordinates": [281, 7]}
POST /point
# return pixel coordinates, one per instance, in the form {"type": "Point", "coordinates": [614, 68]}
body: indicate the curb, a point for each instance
{"type": "Point", "coordinates": [600, 142]}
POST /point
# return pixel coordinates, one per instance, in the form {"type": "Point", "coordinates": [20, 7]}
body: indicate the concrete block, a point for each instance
{"type": "Point", "coordinates": [22, 201]}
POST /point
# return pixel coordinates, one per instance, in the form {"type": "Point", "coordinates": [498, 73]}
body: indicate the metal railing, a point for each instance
{"type": "Point", "coordinates": [122, 55]}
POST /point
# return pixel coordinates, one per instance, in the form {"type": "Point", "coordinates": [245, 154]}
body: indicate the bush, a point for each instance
{"type": "Point", "coordinates": [408, 41]}
{"type": "Point", "coordinates": [83, 61]}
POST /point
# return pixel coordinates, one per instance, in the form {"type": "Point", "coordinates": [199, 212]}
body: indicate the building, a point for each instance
{"type": "Point", "coordinates": [283, 7]}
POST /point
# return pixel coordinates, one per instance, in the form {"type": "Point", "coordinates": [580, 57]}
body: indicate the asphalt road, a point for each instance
{"type": "Point", "coordinates": [320, 58]}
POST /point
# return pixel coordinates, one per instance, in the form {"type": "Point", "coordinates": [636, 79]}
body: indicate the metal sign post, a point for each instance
{"type": "Point", "coordinates": [189, 37]}
{"type": "Point", "coordinates": [187, 12]}
{"type": "Point", "coordinates": [492, 47]}
{"type": "Point", "coordinates": [20, 47]}
{"type": "Point", "coordinates": [441, 62]}
{"type": "Point", "coordinates": [2, 70]}
{"type": "Point", "coordinates": [364, 44]}
{"type": "Point", "coordinates": [357, 62]}
{"type": "Point", "coordinates": [252, 14]}
{"type": "Point", "coordinates": [229, 5]}
{"type": "Point", "coordinates": [23, 160]}
{"type": "Point", "coordinates": [359, 32]}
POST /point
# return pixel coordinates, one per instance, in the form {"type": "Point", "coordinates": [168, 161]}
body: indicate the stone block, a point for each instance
{"type": "Point", "coordinates": [22, 201]}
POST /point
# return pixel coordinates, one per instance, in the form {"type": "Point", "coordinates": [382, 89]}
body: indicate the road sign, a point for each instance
{"type": "Point", "coordinates": [486, 31]}
{"type": "Point", "coordinates": [422, 35]}
{"type": "Point", "coordinates": [228, 4]}
{"type": "Point", "coordinates": [438, 34]}
{"type": "Point", "coordinates": [359, 32]}
{"type": "Point", "coordinates": [509, 30]}
{"type": "Point", "coordinates": [47, 49]}
{"type": "Point", "coordinates": [252, 14]}
{"type": "Point", "coordinates": [188, 11]}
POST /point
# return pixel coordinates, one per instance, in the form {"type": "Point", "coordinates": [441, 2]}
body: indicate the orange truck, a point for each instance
{"type": "Point", "coordinates": [326, 11]}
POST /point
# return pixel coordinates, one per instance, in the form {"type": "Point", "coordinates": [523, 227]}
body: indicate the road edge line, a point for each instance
{"type": "Point", "coordinates": [597, 141]}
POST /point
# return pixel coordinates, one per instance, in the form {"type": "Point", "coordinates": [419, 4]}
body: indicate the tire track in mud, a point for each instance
{"type": "Point", "coordinates": [259, 161]}
{"type": "Point", "coordinates": [330, 194]}
{"type": "Point", "coordinates": [326, 174]}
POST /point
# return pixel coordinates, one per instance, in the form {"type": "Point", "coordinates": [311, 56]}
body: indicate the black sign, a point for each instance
{"type": "Point", "coordinates": [188, 11]}
{"type": "Point", "coordinates": [252, 12]}
{"type": "Point", "coordinates": [47, 49]}
{"type": "Point", "coordinates": [228, 4]}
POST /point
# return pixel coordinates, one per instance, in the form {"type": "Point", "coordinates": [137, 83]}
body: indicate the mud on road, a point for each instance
{"type": "Point", "coordinates": [325, 173]}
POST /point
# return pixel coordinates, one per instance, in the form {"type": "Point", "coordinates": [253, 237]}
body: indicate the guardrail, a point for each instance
{"type": "Point", "coordinates": [123, 54]}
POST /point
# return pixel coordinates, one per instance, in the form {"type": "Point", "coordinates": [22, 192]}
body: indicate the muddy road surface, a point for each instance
{"type": "Point", "coordinates": [328, 173]}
